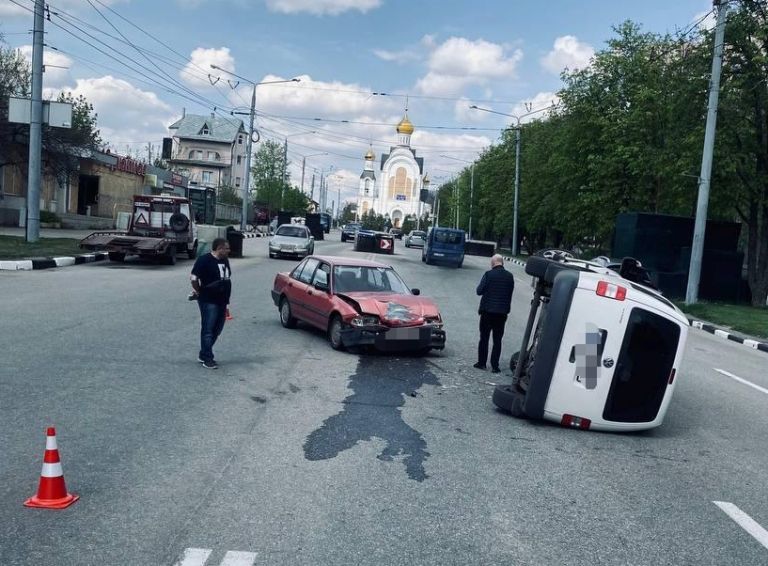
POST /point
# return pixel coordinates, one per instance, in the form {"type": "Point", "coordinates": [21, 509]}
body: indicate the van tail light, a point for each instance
{"type": "Point", "coordinates": [575, 422]}
{"type": "Point", "coordinates": [671, 376]}
{"type": "Point", "coordinates": [611, 290]}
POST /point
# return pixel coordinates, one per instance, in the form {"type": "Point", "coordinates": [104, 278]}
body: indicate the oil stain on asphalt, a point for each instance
{"type": "Point", "coordinates": [380, 387]}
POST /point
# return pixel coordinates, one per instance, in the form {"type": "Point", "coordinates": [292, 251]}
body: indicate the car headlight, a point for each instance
{"type": "Point", "coordinates": [365, 320]}
{"type": "Point", "coordinates": [437, 322]}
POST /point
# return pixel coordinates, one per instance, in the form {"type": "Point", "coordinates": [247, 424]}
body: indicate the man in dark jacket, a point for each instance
{"type": "Point", "coordinates": [495, 288]}
{"type": "Point", "coordinates": [212, 288]}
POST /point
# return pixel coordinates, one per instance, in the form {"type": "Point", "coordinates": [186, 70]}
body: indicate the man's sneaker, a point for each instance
{"type": "Point", "coordinates": [495, 370]}
{"type": "Point", "coordinates": [210, 365]}
{"type": "Point", "coordinates": [478, 365]}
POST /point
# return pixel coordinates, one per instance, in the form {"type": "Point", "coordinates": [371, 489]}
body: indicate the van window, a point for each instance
{"type": "Point", "coordinates": [643, 368]}
{"type": "Point", "coordinates": [446, 237]}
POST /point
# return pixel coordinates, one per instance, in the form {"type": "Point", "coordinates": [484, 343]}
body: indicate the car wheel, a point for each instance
{"type": "Point", "coordinates": [423, 257]}
{"type": "Point", "coordinates": [170, 255]}
{"type": "Point", "coordinates": [508, 398]}
{"type": "Point", "coordinates": [116, 256]}
{"type": "Point", "coordinates": [334, 333]}
{"type": "Point", "coordinates": [458, 265]}
{"type": "Point", "coordinates": [286, 318]}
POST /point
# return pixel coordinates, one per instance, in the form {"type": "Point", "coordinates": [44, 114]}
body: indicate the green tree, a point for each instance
{"type": "Point", "coordinates": [228, 195]}
{"type": "Point", "coordinates": [62, 147]}
{"type": "Point", "coordinates": [267, 174]}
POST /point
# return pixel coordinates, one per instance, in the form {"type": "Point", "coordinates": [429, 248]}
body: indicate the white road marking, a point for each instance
{"type": "Point", "coordinates": [742, 380]}
{"type": "Point", "coordinates": [234, 558]}
{"type": "Point", "coordinates": [744, 521]}
{"type": "Point", "coordinates": [194, 557]}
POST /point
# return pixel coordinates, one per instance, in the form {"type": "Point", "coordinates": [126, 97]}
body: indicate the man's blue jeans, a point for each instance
{"type": "Point", "coordinates": [212, 323]}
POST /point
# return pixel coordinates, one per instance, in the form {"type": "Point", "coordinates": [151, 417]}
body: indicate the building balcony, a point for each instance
{"type": "Point", "coordinates": [184, 161]}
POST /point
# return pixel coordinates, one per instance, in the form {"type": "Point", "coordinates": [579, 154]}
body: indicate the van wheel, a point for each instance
{"type": "Point", "coordinates": [116, 256]}
{"type": "Point", "coordinates": [334, 333]}
{"type": "Point", "coordinates": [508, 398]}
{"type": "Point", "coordinates": [170, 255]}
{"type": "Point", "coordinates": [286, 317]}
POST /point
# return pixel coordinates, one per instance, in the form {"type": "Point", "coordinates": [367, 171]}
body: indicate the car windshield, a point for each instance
{"type": "Point", "coordinates": [292, 231]}
{"type": "Point", "coordinates": [417, 234]}
{"type": "Point", "coordinates": [352, 227]}
{"type": "Point", "coordinates": [352, 278]}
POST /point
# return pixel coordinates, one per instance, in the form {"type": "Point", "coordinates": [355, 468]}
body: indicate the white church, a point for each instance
{"type": "Point", "coordinates": [394, 190]}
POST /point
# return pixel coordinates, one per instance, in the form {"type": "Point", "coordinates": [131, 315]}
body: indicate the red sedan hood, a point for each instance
{"type": "Point", "coordinates": [394, 309]}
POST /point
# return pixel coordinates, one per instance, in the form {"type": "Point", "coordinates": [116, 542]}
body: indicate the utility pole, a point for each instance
{"type": "Point", "coordinates": [35, 128]}
{"type": "Point", "coordinates": [285, 167]}
{"type": "Point", "coordinates": [471, 196]}
{"type": "Point", "coordinates": [700, 227]}
{"type": "Point", "coordinates": [248, 147]}
{"type": "Point", "coordinates": [312, 190]}
{"type": "Point", "coordinates": [515, 206]}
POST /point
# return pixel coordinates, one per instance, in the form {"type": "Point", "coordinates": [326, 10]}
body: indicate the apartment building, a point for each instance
{"type": "Point", "coordinates": [209, 150]}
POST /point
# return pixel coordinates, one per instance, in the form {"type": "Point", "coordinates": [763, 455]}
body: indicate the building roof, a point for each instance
{"type": "Point", "coordinates": [419, 160]}
{"type": "Point", "coordinates": [222, 130]}
{"type": "Point", "coordinates": [367, 175]}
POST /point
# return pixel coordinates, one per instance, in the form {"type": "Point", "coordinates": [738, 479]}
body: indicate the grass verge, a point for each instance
{"type": "Point", "coordinates": [747, 319]}
{"type": "Point", "coordinates": [15, 247]}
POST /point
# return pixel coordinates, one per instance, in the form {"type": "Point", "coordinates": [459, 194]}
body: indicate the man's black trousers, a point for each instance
{"type": "Point", "coordinates": [491, 323]}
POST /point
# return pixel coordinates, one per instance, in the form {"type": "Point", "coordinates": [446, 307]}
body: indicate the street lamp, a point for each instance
{"type": "Point", "coordinates": [471, 187]}
{"type": "Point", "coordinates": [246, 184]}
{"type": "Point", "coordinates": [517, 164]}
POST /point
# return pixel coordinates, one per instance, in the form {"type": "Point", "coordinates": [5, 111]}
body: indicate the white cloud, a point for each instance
{"type": "Point", "coordinates": [310, 98]}
{"type": "Point", "coordinates": [321, 7]}
{"type": "Point", "coordinates": [537, 107]}
{"type": "Point", "coordinates": [56, 65]}
{"type": "Point", "coordinates": [199, 67]}
{"type": "Point", "coordinates": [706, 20]}
{"type": "Point", "coordinates": [396, 56]}
{"type": "Point", "coordinates": [125, 113]}
{"type": "Point", "coordinates": [464, 114]}
{"type": "Point", "coordinates": [10, 10]}
{"type": "Point", "coordinates": [459, 62]}
{"type": "Point", "coordinates": [568, 52]}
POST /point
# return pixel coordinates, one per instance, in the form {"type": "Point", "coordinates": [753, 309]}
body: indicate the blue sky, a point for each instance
{"type": "Point", "coordinates": [499, 54]}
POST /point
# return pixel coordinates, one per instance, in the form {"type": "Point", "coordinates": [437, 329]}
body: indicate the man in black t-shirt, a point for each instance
{"type": "Point", "coordinates": [212, 288]}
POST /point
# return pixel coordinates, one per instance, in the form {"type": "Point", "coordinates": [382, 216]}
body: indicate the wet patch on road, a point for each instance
{"type": "Point", "coordinates": [380, 386]}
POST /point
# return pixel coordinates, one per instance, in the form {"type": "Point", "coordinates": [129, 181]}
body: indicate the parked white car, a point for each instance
{"type": "Point", "coordinates": [293, 240]}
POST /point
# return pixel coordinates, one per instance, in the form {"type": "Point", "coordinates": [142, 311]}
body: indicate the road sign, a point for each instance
{"type": "Point", "coordinates": [55, 114]}
{"type": "Point", "coordinates": [385, 244]}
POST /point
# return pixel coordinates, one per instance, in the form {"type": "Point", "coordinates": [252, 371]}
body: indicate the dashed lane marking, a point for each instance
{"type": "Point", "coordinates": [742, 380]}
{"type": "Point", "coordinates": [199, 556]}
{"type": "Point", "coordinates": [744, 521]}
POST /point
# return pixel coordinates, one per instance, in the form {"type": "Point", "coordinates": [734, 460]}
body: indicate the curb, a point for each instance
{"type": "Point", "coordinates": [50, 262]}
{"type": "Point", "coordinates": [514, 260]}
{"type": "Point", "coordinates": [724, 334]}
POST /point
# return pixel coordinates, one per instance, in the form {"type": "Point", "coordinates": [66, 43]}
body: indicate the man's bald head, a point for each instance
{"type": "Point", "coordinates": [497, 259]}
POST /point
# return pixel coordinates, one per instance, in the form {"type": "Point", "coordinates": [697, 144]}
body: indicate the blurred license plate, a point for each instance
{"type": "Point", "coordinates": [439, 254]}
{"type": "Point", "coordinates": [402, 334]}
{"type": "Point", "coordinates": [287, 248]}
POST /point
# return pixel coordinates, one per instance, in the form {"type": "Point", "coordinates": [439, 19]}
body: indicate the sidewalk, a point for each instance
{"type": "Point", "coordinates": [49, 262]}
{"type": "Point", "coordinates": [60, 261]}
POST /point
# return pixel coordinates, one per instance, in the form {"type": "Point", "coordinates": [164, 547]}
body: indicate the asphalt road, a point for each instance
{"type": "Point", "coordinates": [292, 453]}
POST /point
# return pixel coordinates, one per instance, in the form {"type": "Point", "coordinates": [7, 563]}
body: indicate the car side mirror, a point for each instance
{"type": "Point", "coordinates": [320, 286]}
{"type": "Point", "coordinates": [311, 237]}
{"type": "Point", "coordinates": [416, 291]}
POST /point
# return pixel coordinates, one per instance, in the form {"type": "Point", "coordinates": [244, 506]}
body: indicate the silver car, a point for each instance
{"type": "Point", "coordinates": [292, 240]}
{"type": "Point", "coordinates": [415, 239]}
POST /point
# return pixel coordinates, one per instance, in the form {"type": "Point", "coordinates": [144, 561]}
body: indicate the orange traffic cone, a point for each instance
{"type": "Point", "coordinates": [52, 492]}
{"type": "Point", "coordinates": [229, 316]}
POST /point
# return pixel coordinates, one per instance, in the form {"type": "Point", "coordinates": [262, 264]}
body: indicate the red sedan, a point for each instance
{"type": "Point", "coordinates": [358, 303]}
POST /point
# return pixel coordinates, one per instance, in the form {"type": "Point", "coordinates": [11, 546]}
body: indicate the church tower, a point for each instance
{"type": "Point", "coordinates": [366, 194]}
{"type": "Point", "coordinates": [404, 131]}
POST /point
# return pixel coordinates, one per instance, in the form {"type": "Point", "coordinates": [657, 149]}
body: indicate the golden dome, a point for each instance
{"type": "Point", "coordinates": [405, 126]}
{"type": "Point", "coordinates": [370, 156]}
